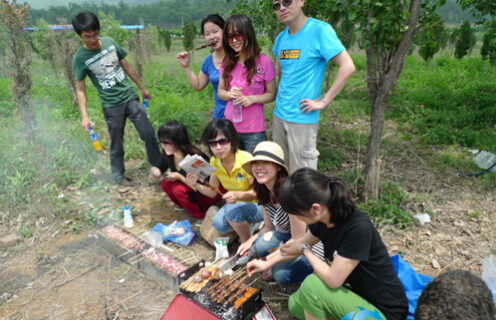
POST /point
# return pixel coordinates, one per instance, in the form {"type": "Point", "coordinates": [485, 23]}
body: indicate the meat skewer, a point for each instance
{"type": "Point", "coordinates": [216, 286]}
{"type": "Point", "coordinates": [213, 188]}
{"type": "Point", "coordinates": [227, 284]}
{"type": "Point", "coordinates": [235, 296]}
{"type": "Point", "coordinates": [200, 47]}
{"type": "Point", "coordinates": [231, 289]}
{"type": "Point", "coordinates": [239, 292]}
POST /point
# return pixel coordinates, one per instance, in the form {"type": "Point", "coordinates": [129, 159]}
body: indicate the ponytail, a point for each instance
{"type": "Point", "coordinates": [307, 186]}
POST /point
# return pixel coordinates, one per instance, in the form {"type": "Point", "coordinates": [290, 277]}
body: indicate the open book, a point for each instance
{"type": "Point", "coordinates": [198, 165]}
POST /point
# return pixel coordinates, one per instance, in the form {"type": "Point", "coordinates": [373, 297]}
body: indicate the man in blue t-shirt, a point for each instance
{"type": "Point", "coordinates": [303, 50]}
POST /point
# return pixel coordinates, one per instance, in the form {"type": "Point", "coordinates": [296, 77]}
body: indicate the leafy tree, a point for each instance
{"type": "Point", "coordinates": [67, 44]}
{"type": "Point", "coordinates": [443, 40]}
{"type": "Point", "coordinates": [479, 8]}
{"type": "Point", "coordinates": [429, 39]}
{"type": "Point", "coordinates": [455, 34]}
{"type": "Point", "coordinates": [473, 41]}
{"type": "Point", "coordinates": [488, 49]}
{"type": "Point", "coordinates": [167, 40]}
{"type": "Point", "coordinates": [110, 27]}
{"type": "Point", "coordinates": [387, 29]}
{"type": "Point", "coordinates": [140, 45]}
{"type": "Point", "coordinates": [188, 36]}
{"type": "Point", "coordinates": [43, 43]}
{"type": "Point", "coordinates": [13, 21]}
{"type": "Point", "coordinates": [464, 40]}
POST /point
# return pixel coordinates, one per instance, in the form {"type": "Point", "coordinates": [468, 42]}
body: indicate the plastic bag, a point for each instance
{"type": "Point", "coordinates": [412, 281]}
{"type": "Point", "coordinates": [221, 248]}
{"type": "Point", "coordinates": [489, 274]}
{"type": "Point", "coordinates": [177, 232]}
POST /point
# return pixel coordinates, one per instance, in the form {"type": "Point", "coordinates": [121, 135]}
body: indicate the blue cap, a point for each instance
{"type": "Point", "coordinates": [126, 208]}
{"type": "Point", "coordinates": [89, 127]}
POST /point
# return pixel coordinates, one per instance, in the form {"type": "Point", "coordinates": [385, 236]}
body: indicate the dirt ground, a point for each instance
{"type": "Point", "coordinates": [60, 274]}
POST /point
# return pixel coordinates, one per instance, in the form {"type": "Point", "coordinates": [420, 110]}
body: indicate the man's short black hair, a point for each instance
{"type": "Point", "coordinates": [85, 21]}
{"type": "Point", "coordinates": [456, 295]}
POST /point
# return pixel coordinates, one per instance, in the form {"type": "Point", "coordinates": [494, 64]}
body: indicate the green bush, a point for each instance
{"type": "Point", "coordinates": [387, 209]}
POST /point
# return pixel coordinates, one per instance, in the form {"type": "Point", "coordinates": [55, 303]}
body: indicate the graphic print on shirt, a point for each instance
{"type": "Point", "coordinates": [107, 68]}
{"type": "Point", "coordinates": [240, 177]}
{"type": "Point", "coordinates": [258, 78]}
{"type": "Point", "coordinates": [290, 54]}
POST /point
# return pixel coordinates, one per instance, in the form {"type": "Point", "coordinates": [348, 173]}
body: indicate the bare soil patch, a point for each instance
{"type": "Point", "coordinates": [60, 273]}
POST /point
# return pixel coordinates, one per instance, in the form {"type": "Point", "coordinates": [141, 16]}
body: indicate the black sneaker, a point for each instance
{"type": "Point", "coordinates": [128, 182]}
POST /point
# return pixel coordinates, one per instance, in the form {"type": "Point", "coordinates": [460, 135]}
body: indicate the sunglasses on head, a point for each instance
{"type": "Point", "coordinates": [236, 35]}
{"type": "Point", "coordinates": [222, 142]}
{"type": "Point", "coordinates": [285, 3]}
{"type": "Point", "coordinates": [166, 142]}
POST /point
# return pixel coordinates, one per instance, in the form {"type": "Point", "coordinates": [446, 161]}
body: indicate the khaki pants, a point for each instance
{"type": "Point", "coordinates": [298, 141]}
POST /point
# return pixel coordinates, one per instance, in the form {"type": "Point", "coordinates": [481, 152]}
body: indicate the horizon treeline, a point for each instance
{"type": "Point", "coordinates": [168, 13]}
{"type": "Point", "coordinates": [163, 13]}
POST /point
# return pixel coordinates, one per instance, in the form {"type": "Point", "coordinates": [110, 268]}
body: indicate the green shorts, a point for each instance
{"type": "Point", "coordinates": [322, 302]}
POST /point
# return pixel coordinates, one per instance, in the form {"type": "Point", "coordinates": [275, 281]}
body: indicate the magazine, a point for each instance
{"type": "Point", "coordinates": [198, 165]}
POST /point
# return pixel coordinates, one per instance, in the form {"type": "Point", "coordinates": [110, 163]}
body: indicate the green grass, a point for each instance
{"type": "Point", "coordinates": [435, 109]}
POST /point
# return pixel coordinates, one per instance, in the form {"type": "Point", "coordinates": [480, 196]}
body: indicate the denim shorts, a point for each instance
{"type": "Point", "coordinates": [248, 141]}
{"type": "Point", "coordinates": [238, 212]}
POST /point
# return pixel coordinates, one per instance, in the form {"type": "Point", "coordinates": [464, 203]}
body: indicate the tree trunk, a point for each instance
{"type": "Point", "coordinates": [54, 68]}
{"type": "Point", "coordinates": [327, 81]}
{"type": "Point", "coordinates": [379, 93]}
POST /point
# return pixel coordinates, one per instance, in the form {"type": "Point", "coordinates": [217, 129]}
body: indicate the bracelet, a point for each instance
{"type": "Point", "coordinates": [305, 247]}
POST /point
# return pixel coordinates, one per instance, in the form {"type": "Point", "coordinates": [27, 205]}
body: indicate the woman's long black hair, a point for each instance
{"type": "Point", "coordinates": [308, 186]}
{"type": "Point", "coordinates": [252, 49]}
{"type": "Point", "coordinates": [264, 195]}
{"type": "Point", "coordinates": [175, 132]}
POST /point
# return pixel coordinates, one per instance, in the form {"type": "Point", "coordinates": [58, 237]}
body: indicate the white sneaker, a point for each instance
{"type": "Point", "coordinates": [245, 259]}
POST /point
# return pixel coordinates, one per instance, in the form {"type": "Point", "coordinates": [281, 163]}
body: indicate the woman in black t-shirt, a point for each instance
{"type": "Point", "coordinates": [358, 280]}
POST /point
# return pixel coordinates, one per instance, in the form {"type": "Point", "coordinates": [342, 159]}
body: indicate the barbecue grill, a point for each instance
{"type": "Point", "coordinates": [160, 264]}
{"type": "Point", "coordinates": [245, 311]}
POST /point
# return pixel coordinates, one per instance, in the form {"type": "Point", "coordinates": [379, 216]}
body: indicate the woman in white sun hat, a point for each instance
{"type": "Point", "coordinates": [270, 172]}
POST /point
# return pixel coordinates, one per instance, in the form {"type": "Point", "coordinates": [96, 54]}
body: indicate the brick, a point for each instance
{"type": "Point", "coordinates": [10, 241]}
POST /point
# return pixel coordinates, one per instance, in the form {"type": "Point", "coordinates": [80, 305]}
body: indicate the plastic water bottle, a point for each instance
{"type": "Point", "coordinates": [94, 138]}
{"type": "Point", "coordinates": [128, 218]}
{"type": "Point", "coordinates": [237, 112]}
{"type": "Point", "coordinates": [146, 105]}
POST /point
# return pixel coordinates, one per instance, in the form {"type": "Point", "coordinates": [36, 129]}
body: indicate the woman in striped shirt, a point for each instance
{"type": "Point", "coordinates": [268, 168]}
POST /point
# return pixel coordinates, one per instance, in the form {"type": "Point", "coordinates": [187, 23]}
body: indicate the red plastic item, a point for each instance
{"type": "Point", "coordinates": [183, 308]}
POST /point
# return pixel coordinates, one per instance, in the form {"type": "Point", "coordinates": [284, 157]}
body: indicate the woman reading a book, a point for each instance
{"type": "Point", "coordinates": [175, 146]}
{"type": "Point", "coordinates": [240, 210]}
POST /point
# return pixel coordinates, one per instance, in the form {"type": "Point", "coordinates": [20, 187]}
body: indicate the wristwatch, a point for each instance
{"type": "Point", "coordinates": [305, 247]}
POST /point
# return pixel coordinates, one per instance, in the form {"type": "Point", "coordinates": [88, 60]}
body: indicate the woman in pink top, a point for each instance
{"type": "Point", "coordinates": [247, 79]}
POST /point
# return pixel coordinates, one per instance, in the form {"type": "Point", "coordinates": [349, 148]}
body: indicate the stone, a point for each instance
{"type": "Point", "coordinates": [6, 296]}
{"type": "Point", "coordinates": [10, 241]}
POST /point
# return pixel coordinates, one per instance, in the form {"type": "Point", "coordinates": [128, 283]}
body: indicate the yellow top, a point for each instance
{"type": "Point", "coordinates": [237, 179]}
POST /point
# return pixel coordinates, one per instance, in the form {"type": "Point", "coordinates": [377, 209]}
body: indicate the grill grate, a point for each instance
{"type": "Point", "coordinates": [246, 311]}
{"type": "Point", "coordinates": [159, 263]}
